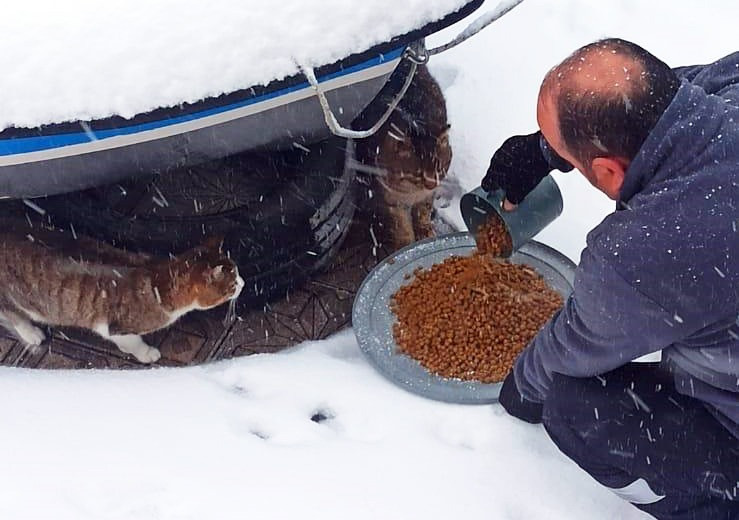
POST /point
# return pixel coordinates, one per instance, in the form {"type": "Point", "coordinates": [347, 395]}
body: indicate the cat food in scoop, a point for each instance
{"type": "Point", "coordinates": [469, 317]}
{"type": "Point", "coordinates": [493, 238]}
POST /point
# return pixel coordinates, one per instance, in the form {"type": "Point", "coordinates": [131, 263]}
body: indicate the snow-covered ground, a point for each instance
{"type": "Point", "coordinates": [236, 439]}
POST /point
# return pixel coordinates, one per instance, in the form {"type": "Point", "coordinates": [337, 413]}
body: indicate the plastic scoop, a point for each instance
{"type": "Point", "coordinates": [540, 207]}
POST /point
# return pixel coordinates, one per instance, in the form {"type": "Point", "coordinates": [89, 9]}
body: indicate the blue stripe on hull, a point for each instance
{"type": "Point", "coordinates": [33, 144]}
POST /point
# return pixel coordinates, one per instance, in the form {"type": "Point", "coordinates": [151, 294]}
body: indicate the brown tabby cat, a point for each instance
{"type": "Point", "coordinates": [407, 159]}
{"type": "Point", "coordinates": [51, 278]}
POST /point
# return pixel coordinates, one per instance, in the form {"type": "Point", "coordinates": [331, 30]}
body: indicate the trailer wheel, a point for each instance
{"type": "Point", "coordinates": [283, 214]}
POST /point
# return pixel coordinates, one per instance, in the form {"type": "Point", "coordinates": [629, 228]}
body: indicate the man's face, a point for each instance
{"type": "Point", "coordinates": [546, 115]}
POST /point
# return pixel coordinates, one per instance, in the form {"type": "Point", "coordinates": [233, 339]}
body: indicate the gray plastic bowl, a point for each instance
{"type": "Point", "coordinates": [373, 320]}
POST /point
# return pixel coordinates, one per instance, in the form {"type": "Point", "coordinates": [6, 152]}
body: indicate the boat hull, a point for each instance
{"type": "Point", "coordinates": [67, 157]}
{"type": "Point", "coordinates": [283, 119]}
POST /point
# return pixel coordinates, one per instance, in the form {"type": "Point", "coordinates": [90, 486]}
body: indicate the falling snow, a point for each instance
{"type": "Point", "coordinates": [123, 445]}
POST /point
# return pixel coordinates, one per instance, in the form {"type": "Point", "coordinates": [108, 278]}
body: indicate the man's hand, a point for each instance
{"type": "Point", "coordinates": [518, 166]}
{"type": "Point", "coordinates": [515, 404]}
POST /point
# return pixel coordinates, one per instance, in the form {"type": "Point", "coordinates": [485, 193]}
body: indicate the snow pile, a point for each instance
{"type": "Point", "coordinates": [312, 433]}
{"type": "Point", "coordinates": [86, 59]}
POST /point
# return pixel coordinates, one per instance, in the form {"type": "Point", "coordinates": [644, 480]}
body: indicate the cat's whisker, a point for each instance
{"type": "Point", "coordinates": [366, 168]}
{"type": "Point", "coordinates": [384, 184]}
{"type": "Point", "coordinates": [230, 312]}
{"type": "Point", "coordinates": [397, 130]}
{"type": "Point", "coordinates": [374, 238]}
{"type": "Point", "coordinates": [396, 137]}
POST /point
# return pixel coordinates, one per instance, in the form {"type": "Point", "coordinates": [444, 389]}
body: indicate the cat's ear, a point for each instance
{"type": "Point", "coordinates": [216, 273]}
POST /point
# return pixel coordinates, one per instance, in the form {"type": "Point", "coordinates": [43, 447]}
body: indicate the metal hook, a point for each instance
{"type": "Point", "coordinates": [416, 56]}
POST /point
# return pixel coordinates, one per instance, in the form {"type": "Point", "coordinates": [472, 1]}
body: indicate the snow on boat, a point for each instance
{"type": "Point", "coordinates": [67, 151]}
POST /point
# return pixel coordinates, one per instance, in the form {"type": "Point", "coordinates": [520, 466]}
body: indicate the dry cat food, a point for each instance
{"type": "Point", "coordinates": [469, 317]}
{"type": "Point", "coordinates": [493, 238]}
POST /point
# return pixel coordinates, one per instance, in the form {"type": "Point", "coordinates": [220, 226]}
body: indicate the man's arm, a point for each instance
{"type": "Point", "coordinates": [720, 77]}
{"type": "Point", "coordinates": [604, 324]}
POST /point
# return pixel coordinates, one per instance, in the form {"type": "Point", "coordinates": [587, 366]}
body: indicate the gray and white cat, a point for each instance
{"type": "Point", "coordinates": [51, 278]}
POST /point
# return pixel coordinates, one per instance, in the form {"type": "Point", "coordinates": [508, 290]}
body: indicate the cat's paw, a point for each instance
{"type": "Point", "coordinates": [137, 347]}
{"type": "Point", "coordinates": [31, 335]}
{"type": "Point", "coordinates": [147, 354]}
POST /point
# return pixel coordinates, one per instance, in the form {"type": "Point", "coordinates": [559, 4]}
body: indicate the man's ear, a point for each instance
{"type": "Point", "coordinates": [609, 173]}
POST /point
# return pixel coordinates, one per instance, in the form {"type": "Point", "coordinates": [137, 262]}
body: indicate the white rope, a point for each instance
{"type": "Point", "coordinates": [414, 57]}
{"type": "Point", "coordinates": [478, 25]}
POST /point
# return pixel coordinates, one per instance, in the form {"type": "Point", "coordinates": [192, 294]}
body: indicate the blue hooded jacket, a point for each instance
{"type": "Point", "coordinates": [661, 274]}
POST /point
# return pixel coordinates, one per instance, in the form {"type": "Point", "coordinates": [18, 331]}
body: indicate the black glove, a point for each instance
{"type": "Point", "coordinates": [520, 164]}
{"type": "Point", "coordinates": [515, 404]}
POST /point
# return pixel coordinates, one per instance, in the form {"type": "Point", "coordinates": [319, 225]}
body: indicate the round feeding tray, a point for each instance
{"type": "Point", "coordinates": [373, 320]}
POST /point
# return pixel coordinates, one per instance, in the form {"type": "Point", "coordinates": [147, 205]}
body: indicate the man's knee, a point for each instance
{"type": "Point", "coordinates": [607, 396]}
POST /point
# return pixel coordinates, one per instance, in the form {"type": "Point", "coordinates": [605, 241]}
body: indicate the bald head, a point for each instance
{"type": "Point", "coordinates": [606, 98]}
{"type": "Point", "coordinates": [597, 69]}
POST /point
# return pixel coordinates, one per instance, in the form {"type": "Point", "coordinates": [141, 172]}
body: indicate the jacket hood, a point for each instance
{"type": "Point", "coordinates": [691, 130]}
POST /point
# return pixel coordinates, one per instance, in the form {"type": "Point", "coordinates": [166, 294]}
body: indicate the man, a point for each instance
{"type": "Point", "coordinates": [660, 273]}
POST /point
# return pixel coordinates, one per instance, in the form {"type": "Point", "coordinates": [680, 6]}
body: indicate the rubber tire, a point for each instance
{"type": "Point", "coordinates": [283, 215]}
